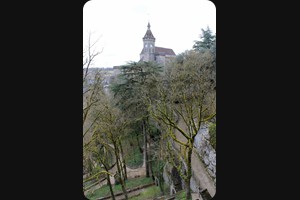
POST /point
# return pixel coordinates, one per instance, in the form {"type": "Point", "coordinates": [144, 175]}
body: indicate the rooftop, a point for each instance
{"type": "Point", "coordinates": [164, 51]}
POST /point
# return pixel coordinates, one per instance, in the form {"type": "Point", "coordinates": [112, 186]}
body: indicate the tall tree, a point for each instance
{"type": "Point", "coordinates": [110, 131]}
{"type": "Point", "coordinates": [207, 40]}
{"type": "Point", "coordinates": [102, 152]}
{"type": "Point", "coordinates": [207, 46]}
{"type": "Point", "coordinates": [134, 83]}
{"type": "Point", "coordinates": [186, 99]}
{"type": "Point", "coordinates": [92, 94]}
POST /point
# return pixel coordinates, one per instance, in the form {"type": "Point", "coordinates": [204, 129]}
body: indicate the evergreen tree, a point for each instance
{"type": "Point", "coordinates": [207, 41]}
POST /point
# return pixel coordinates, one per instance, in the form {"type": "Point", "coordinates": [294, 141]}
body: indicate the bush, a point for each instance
{"type": "Point", "coordinates": [212, 134]}
{"type": "Point", "coordinates": [134, 158]}
{"type": "Point", "coordinates": [180, 195]}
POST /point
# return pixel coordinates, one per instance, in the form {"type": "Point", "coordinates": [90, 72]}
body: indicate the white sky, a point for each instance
{"type": "Point", "coordinates": [120, 26]}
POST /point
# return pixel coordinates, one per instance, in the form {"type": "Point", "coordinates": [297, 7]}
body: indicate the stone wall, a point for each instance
{"type": "Point", "coordinates": [204, 173]}
{"type": "Point", "coordinates": [206, 151]}
{"type": "Point", "coordinates": [160, 60]}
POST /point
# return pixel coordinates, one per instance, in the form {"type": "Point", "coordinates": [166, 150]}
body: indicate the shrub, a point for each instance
{"type": "Point", "coordinates": [212, 134]}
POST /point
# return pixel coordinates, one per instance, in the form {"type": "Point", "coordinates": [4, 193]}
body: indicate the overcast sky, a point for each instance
{"type": "Point", "coordinates": [120, 26]}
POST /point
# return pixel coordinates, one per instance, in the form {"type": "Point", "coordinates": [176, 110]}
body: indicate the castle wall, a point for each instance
{"type": "Point", "coordinates": [160, 60]}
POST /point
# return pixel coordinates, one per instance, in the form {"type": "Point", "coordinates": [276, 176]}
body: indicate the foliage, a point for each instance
{"type": "Point", "coordinates": [158, 166]}
{"type": "Point", "coordinates": [212, 134]}
{"type": "Point", "coordinates": [134, 158]}
{"type": "Point", "coordinates": [180, 195]}
{"type": "Point", "coordinates": [130, 89]}
{"type": "Point", "coordinates": [164, 110]}
{"type": "Point", "coordinates": [92, 94]}
{"type": "Point", "coordinates": [134, 82]}
{"type": "Point", "coordinates": [207, 45]}
{"type": "Point", "coordinates": [155, 133]}
{"type": "Point", "coordinates": [185, 98]}
{"type": "Point", "coordinates": [207, 41]}
{"type": "Point", "coordinates": [147, 193]}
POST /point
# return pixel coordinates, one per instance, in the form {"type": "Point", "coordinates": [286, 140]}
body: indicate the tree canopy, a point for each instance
{"type": "Point", "coordinates": [207, 41]}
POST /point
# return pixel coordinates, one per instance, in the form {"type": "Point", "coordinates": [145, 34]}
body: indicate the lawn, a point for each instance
{"type": "Point", "coordinates": [154, 191]}
{"type": "Point", "coordinates": [134, 158]}
{"type": "Point", "coordinates": [180, 195]}
{"type": "Point", "coordinates": [150, 192]}
{"type": "Point", "coordinates": [90, 183]}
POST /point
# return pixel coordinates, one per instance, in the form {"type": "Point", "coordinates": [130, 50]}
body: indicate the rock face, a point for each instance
{"type": "Point", "coordinates": [194, 185]}
{"type": "Point", "coordinates": [206, 151]}
{"type": "Point", "coordinates": [203, 165]}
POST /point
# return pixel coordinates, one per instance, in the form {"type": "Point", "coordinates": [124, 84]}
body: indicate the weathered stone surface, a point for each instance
{"type": "Point", "coordinates": [194, 185]}
{"type": "Point", "coordinates": [166, 174]}
{"type": "Point", "coordinates": [212, 157]}
{"type": "Point", "coordinates": [206, 151]}
{"type": "Point", "coordinates": [204, 174]}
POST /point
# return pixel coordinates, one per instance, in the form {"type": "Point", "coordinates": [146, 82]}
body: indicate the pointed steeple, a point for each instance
{"type": "Point", "coordinates": [148, 34]}
{"type": "Point", "coordinates": [148, 52]}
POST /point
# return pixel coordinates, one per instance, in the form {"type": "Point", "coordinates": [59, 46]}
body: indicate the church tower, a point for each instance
{"type": "Point", "coordinates": [148, 51]}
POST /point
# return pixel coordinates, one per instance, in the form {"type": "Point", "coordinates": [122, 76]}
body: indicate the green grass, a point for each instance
{"type": "Point", "coordinates": [88, 183]}
{"type": "Point", "coordinates": [138, 181]}
{"type": "Point", "coordinates": [154, 191]}
{"type": "Point", "coordinates": [150, 192]}
{"type": "Point", "coordinates": [180, 195]}
{"type": "Point", "coordinates": [134, 158]}
{"type": "Point", "coordinates": [212, 133]}
{"type": "Point", "coordinates": [131, 183]}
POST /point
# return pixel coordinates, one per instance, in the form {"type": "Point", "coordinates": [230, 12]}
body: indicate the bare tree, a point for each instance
{"type": "Point", "coordinates": [110, 131]}
{"type": "Point", "coordinates": [92, 94]}
{"type": "Point", "coordinates": [103, 153]}
{"type": "Point", "coordinates": [186, 99]}
{"type": "Point", "coordinates": [92, 85]}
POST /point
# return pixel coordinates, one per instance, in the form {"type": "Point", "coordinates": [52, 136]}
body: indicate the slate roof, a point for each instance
{"type": "Point", "coordinates": [164, 51]}
{"type": "Point", "coordinates": [149, 34]}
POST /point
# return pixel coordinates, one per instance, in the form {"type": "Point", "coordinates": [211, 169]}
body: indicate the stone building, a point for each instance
{"type": "Point", "coordinates": [152, 53]}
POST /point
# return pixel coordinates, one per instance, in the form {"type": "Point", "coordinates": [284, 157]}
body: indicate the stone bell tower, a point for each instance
{"type": "Point", "coordinates": [148, 51]}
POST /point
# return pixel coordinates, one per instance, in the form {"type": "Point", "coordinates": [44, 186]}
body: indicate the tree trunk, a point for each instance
{"type": "Point", "coordinates": [108, 180]}
{"type": "Point", "coordinates": [161, 184]}
{"type": "Point", "coordinates": [138, 142]}
{"type": "Point", "coordinates": [110, 187]}
{"type": "Point", "coordinates": [146, 149]}
{"type": "Point", "coordinates": [117, 154]}
{"type": "Point", "coordinates": [123, 161]}
{"type": "Point", "coordinates": [150, 160]}
{"type": "Point", "coordinates": [189, 174]}
{"type": "Point", "coordinates": [122, 182]}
